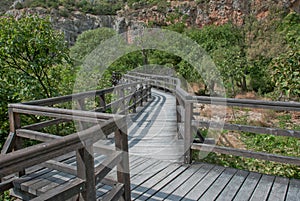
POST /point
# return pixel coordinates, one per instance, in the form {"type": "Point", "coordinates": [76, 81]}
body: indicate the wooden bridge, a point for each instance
{"type": "Point", "coordinates": [133, 142]}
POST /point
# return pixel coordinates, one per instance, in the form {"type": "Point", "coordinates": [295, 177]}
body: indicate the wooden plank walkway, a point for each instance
{"type": "Point", "coordinates": [162, 180]}
{"type": "Point", "coordinates": [157, 171]}
{"type": "Point", "coordinates": [153, 131]}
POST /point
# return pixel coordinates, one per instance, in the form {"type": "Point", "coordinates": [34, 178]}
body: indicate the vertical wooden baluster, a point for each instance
{"type": "Point", "coordinates": [187, 131]}
{"type": "Point", "coordinates": [179, 118]}
{"type": "Point", "coordinates": [134, 101]}
{"type": "Point", "coordinates": [141, 96]}
{"type": "Point", "coordinates": [81, 106]}
{"type": "Point", "coordinates": [123, 167]}
{"type": "Point", "coordinates": [149, 90]}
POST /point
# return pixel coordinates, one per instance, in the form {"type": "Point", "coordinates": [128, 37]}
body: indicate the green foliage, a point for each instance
{"type": "Point", "coordinates": [5, 196]}
{"type": "Point", "coordinates": [285, 69]}
{"type": "Point", "coordinates": [223, 44]}
{"type": "Point", "coordinates": [261, 81]}
{"type": "Point", "coordinates": [88, 41]}
{"type": "Point", "coordinates": [30, 47]}
{"type": "Point", "coordinates": [33, 60]}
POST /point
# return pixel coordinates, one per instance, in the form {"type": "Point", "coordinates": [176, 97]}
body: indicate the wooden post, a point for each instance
{"type": "Point", "coordinates": [102, 102]}
{"type": "Point", "coordinates": [134, 101]}
{"type": "Point", "coordinates": [123, 167]}
{"type": "Point", "coordinates": [86, 171]}
{"type": "Point", "coordinates": [178, 118]}
{"type": "Point", "coordinates": [122, 103]}
{"type": "Point", "coordinates": [149, 90]}
{"type": "Point", "coordinates": [145, 91]}
{"type": "Point", "coordinates": [141, 96]}
{"type": "Point", "coordinates": [15, 142]}
{"type": "Point", "coordinates": [187, 131]}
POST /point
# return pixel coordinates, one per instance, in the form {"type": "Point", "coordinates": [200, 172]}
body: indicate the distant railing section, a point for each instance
{"type": "Point", "coordinates": [186, 124]}
{"type": "Point", "coordinates": [91, 112]}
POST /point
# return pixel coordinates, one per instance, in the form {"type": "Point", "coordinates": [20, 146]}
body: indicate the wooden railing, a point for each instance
{"type": "Point", "coordinates": [185, 103]}
{"type": "Point", "coordinates": [93, 124]}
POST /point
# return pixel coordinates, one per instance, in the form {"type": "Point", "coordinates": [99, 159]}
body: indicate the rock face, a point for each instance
{"type": "Point", "coordinates": [192, 13]}
{"type": "Point", "coordinates": [204, 12]}
{"type": "Point", "coordinates": [71, 24]}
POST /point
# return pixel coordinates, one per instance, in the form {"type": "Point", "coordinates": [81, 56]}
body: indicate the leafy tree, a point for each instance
{"type": "Point", "coordinates": [262, 42]}
{"type": "Point", "coordinates": [85, 44]}
{"type": "Point", "coordinates": [88, 41]}
{"type": "Point", "coordinates": [34, 63]}
{"type": "Point", "coordinates": [31, 48]}
{"type": "Point", "coordinates": [222, 43]}
{"type": "Point", "coordinates": [285, 69]}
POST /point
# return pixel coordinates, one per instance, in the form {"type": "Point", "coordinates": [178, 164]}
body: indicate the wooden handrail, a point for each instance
{"type": "Point", "coordinates": [82, 95]}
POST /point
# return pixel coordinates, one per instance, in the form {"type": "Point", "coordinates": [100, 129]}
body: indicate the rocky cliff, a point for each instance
{"type": "Point", "coordinates": [192, 13]}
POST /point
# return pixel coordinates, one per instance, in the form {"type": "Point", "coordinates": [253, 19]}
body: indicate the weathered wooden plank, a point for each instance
{"type": "Point", "coordinates": [29, 178]}
{"type": "Point", "coordinates": [248, 187]}
{"type": "Point", "coordinates": [115, 193]}
{"type": "Point", "coordinates": [106, 166]}
{"type": "Point", "coordinates": [142, 176]}
{"type": "Point", "coordinates": [63, 192]}
{"type": "Point", "coordinates": [233, 186]}
{"type": "Point", "coordinates": [148, 184]}
{"type": "Point", "coordinates": [49, 180]}
{"type": "Point", "coordinates": [174, 184]}
{"type": "Point", "coordinates": [274, 105]}
{"type": "Point", "coordinates": [30, 186]}
{"type": "Point", "coordinates": [86, 171]}
{"type": "Point", "coordinates": [17, 193]}
{"type": "Point", "coordinates": [56, 112]}
{"type": "Point", "coordinates": [219, 184]}
{"type": "Point", "coordinates": [201, 170]}
{"type": "Point", "coordinates": [51, 183]}
{"type": "Point", "coordinates": [247, 154]}
{"type": "Point", "coordinates": [279, 189]}
{"type": "Point", "coordinates": [40, 125]}
{"type": "Point", "coordinates": [251, 129]}
{"type": "Point", "coordinates": [35, 135]}
{"type": "Point", "coordinates": [123, 172]}
{"type": "Point", "coordinates": [205, 183]}
{"type": "Point", "coordinates": [62, 116]}
{"type": "Point", "coordinates": [9, 143]}
{"type": "Point", "coordinates": [263, 188]}
{"type": "Point", "coordinates": [69, 98]}
{"type": "Point", "coordinates": [6, 185]}
{"type": "Point", "coordinates": [293, 193]}
{"type": "Point", "coordinates": [143, 167]}
{"type": "Point", "coordinates": [162, 183]}
{"type": "Point", "coordinates": [62, 167]}
{"type": "Point", "coordinates": [103, 149]}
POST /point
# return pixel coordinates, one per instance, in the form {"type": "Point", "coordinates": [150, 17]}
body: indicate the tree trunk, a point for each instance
{"type": "Point", "coordinates": [244, 84]}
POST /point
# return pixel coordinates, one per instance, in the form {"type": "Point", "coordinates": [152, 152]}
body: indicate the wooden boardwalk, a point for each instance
{"type": "Point", "coordinates": [157, 171]}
